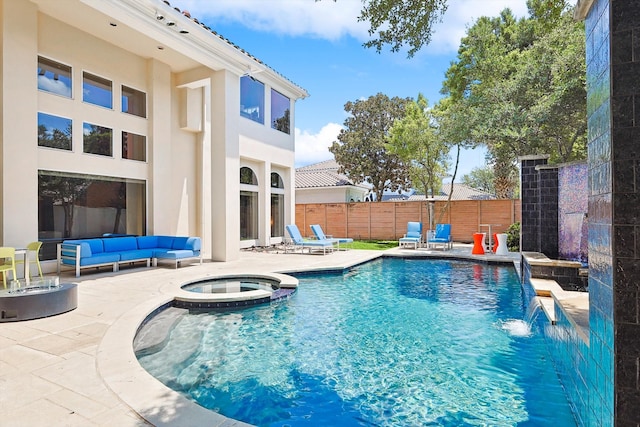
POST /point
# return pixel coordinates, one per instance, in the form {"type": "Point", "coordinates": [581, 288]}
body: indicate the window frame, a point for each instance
{"type": "Point", "coordinates": [136, 149]}
{"type": "Point", "coordinates": [254, 109]}
{"type": "Point", "coordinates": [99, 84]}
{"type": "Point", "coordinates": [51, 67]}
{"type": "Point", "coordinates": [70, 135]}
{"type": "Point", "coordinates": [84, 140]}
{"type": "Point", "coordinates": [123, 90]}
{"type": "Point", "coordinates": [285, 113]}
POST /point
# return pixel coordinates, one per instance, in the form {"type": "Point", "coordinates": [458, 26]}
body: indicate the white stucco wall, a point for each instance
{"type": "Point", "coordinates": [192, 166]}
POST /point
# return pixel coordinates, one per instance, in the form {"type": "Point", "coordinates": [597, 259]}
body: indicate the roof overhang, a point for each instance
{"type": "Point", "coordinates": [153, 29]}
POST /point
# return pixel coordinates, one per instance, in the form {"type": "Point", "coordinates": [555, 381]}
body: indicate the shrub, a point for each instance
{"type": "Point", "coordinates": [513, 237]}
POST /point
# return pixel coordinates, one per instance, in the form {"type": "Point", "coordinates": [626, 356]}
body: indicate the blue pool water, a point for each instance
{"type": "Point", "coordinates": [394, 342]}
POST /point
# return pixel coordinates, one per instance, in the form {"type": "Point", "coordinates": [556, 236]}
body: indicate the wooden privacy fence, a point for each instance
{"type": "Point", "coordinates": [388, 220]}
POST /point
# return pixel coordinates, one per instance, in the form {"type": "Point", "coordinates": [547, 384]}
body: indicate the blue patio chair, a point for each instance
{"type": "Point", "coordinates": [298, 241]}
{"type": "Point", "coordinates": [413, 235]}
{"type": "Point", "coordinates": [442, 236]}
{"type": "Point", "coordinates": [319, 233]}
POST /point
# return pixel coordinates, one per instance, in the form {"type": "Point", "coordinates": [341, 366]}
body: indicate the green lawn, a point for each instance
{"type": "Point", "coordinates": [371, 244]}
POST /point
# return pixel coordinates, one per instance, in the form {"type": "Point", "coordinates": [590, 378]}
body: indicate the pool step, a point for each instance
{"type": "Point", "coordinates": [153, 335]}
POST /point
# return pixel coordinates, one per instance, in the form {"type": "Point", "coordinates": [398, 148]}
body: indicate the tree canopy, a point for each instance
{"type": "Point", "coordinates": [360, 150]}
{"type": "Point", "coordinates": [520, 86]}
{"type": "Point", "coordinates": [400, 22]}
{"type": "Point", "coordinates": [414, 139]}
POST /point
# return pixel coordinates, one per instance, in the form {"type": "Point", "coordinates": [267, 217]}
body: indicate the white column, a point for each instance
{"type": "Point", "coordinates": [19, 140]}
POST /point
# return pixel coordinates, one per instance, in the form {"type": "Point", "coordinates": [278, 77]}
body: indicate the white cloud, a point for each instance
{"type": "Point", "coordinates": [332, 20]}
{"type": "Point", "coordinates": [314, 148]}
{"type": "Point", "coordinates": [461, 14]}
{"type": "Point", "coordinates": [324, 19]}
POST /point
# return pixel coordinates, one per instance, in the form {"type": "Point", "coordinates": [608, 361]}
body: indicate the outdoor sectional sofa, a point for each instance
{"type": "Point", "coordinates": [83, 253]}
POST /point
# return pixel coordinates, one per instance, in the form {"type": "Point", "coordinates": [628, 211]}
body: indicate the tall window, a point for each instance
{"type": "Point", "coordinates": [134, 147]}
{"type": "Point", "coordinates": [54, 132]}
{"type": "Point", "coordinates": [252, 99]}
{"type": "Point", "coordinates": [280, 107]}
{"type": "Point", "coordinates": [97, 140]}
{"type": "Point", "coordinates": [248, 204]}
{"type": "Point", "coordinates": [134, 102]}
{"type": "Point", "coordinates": [54, 77]}
{"type": "Point", "coordinates": [96, 90]}
{"type": "Point", "coordinates": [277, 205]}
{"type": "Point", "coordinates": [81, 206]}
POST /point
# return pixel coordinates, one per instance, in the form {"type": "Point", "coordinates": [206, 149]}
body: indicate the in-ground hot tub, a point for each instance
{"type": "Point", "coordinates": [234, 291]}
{"type": "Point", "coordinates": [36, 298]}
{"type": "Point", "coordinates": [225, 285]}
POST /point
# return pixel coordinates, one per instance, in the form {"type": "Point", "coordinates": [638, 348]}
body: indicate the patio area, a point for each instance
{"type": "Point", "coordinates": [72, 369]}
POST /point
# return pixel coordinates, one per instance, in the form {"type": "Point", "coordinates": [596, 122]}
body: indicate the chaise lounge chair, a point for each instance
{"type": "Point", "coordinates": [298, 241]}
{"type": "Point", "coordinates": [442, 237]}
{"type": "Point", "coordinates": [317, 230]}
{"type": "Point", "coordinates": [413, 235]}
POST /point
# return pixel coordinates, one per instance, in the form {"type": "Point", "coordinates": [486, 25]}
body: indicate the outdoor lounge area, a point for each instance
{"type": "Point", "coordinates": [114, 251]}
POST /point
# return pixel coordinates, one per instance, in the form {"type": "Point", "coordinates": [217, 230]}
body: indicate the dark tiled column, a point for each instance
{"type": "Point", "coordinates": [530, 201]}
{"type": "Point", "coordinates": [548, 215]}
{"type": "Point", "coordinates": [613, 109]}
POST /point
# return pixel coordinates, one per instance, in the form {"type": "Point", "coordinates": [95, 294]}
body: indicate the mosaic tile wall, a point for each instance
{"type": "Point", "coordinates": [600, 375]}
{"type": "Point", "coordinates": [570, 355]}
{"type": "Point", "coordinates": [573, 192]}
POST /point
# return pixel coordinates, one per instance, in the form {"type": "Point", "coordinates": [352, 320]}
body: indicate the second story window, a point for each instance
{"type": "Point", "coordinates": [54, 77]}
{"type": "Point", "coordinates": [54, 132]}
{"type": "Point", "coordinates": [280, 107]}
{"type": "Point", "coordinates": [134, 102]}
{"type": "Point", "coordinates": [252, 99]}
{"type": "Point", "coordinates": [96, 90]}
{"type": "Point", "coordinates": [97, 140]}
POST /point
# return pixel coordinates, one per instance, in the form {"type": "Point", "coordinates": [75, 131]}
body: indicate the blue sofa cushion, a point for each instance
{"type": "Point", "coordinates": [173, 253]}
{"type": "Point", "coordinates": [85, 248]}
{"type": "Point", "coordinates": [96, 246]}
{"type": "Point", "coordinates": [120, 244]}
{"type": "Point", "coordinates": [136, 254]}
{"type": "Point", "coordinates": [147, 242]}
{"type": "Point", "coordinates": [95, 259]}
{"type": "Point", "coordinates": [165, 242]}
{"type": "Point", "coordinates": [190, 243]}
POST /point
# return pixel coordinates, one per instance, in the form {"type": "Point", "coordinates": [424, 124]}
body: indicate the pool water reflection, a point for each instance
{"type": "Point", "coordinates": [393, 342]}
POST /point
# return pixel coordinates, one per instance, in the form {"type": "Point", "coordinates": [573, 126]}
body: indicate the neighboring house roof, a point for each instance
{"type": "Point", "coordinates": [460, 192]}
{"type": "Point", "coordinates": [325, 174]}
{"type": "Point", "coordinates": [322, 175]}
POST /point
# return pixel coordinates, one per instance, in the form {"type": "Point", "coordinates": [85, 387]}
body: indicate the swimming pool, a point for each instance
{"type": "Point", "coordinates": [394, 342]}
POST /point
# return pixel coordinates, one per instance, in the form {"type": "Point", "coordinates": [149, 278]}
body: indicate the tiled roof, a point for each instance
{"type": "Point", "coordinates": [317, 179]}
{"type": "Point", "coordinates": [460, 192]}
{"type": "Point", "coordinates": [327, 165]}
{"type": "Point", "coordinates": [323, 174]}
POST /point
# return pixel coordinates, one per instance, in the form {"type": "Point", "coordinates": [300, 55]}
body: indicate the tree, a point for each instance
{"type": "Point", "coordinates": [413, 138]}
{"type": "Point", "coordinates": [360, 150]}
{"type": "Point", "coordinates": [521, 86]}
{"type": "Point", "coordinates": [480, 179]}
{"type": "Point", "coordinates": [396, 22]}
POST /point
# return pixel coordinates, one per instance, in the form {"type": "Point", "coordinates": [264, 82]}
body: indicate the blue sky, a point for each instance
{"type": "Point", "coordinates": [318, 46]}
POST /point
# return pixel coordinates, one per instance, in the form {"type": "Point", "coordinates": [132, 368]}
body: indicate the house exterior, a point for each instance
{"type": "Point", "coordinates": [132, 117]}
{"type": "Point", "coordinates": [322, 183]}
